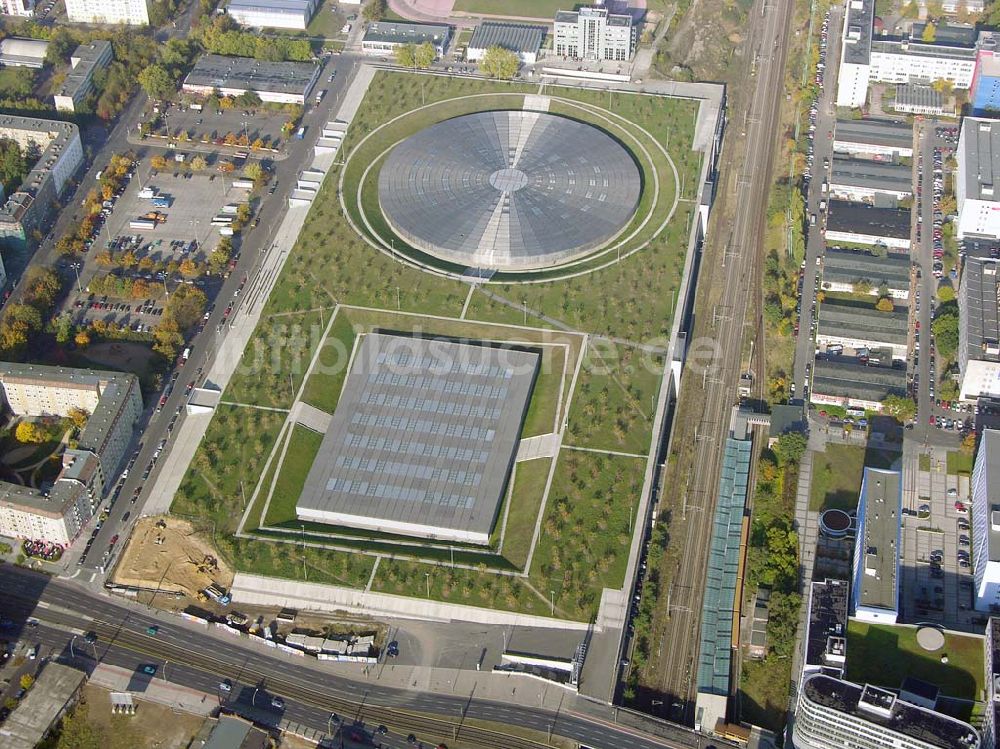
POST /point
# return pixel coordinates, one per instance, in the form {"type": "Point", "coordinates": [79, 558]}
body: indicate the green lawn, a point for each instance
{"type": "Point", "coordinates": [884, 655]}
{"type": "Point", "coordinates": [303, 444]}
{"type": "Point", "coordinates": [837, 473]}
{"type": "Point", "coordinates": [322, 389]}
{"type": "Point", "coordinates": [586, 532]}
{"type": "Point", "coordinates": [276, 359]}
{"type": "Point", "coordinates": [583, 547]}
{"type": "Point", "coordinates": [959, 463]}
{"type": "Point", "coordinates": [613, 404]}
{"type": "Point", "coordinates": [764, 691]}
{"type": "Point", "coordinates": [515, 8]}
{"type": "Point", "coordinates": [326, 23]}
{"type": "Point", "coordinates": [526, 498]}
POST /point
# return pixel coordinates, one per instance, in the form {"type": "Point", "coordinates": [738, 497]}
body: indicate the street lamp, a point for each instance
{"type": "Point", "coordinates": [427, 577]}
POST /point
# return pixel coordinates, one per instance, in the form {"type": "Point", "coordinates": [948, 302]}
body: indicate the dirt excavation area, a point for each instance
{"type": "Point", "coordinates": [165, 554]}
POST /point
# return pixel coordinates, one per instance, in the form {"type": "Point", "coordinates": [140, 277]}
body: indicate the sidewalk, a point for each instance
{"type": "Point", "coordinates": [156, 689]}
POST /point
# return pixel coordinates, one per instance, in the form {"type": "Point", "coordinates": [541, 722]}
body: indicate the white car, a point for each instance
{"type": "Point", "coordinates": [953, 492]}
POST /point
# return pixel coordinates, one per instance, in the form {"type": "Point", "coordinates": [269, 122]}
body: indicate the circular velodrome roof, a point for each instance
{"type": "Point", "coordinates": [509, 190]}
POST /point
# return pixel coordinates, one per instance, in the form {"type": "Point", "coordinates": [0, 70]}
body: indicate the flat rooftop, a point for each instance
{"type": "Point", "coordinates": [53, 138]}
{"type": "Point", "coordinates": [849, 266]}
{"type": "Point", "coordinates": [989, 456]}
{"type": "Point", "coordinates": [859, 381]}
{"type": "Point", "coordinates": [979, 303]}
{"type": "Point", "coordinates": [885, 133]}
{"type": "Point", "coordinates": [918, 95]}
{"type": "Point", "coordinates": [979, 157]}
{"type": "Point", "coordinates": [826, 633]}
{"type": "Point", "coordinates": [879, 519]}
{"type": "Point", "coordinates": [865, 323]}
{"type": "Point", "coordinates": [882, 708]}
{"type": "Point", "coordinates": [423, 438]}
{"type": "Point", "coordinates": [858, 31]}
{"type": "Point", "coordinates": [401, 32]}
{"type": "Point", "coordinates": [86, 59]}
{"type": "Point", "coordinates": [27, 725]}
{"type": "Point", "coordinates": [911, 48]}
{"type": "Point", "coordinates": [246, 73]}
{"type": "Point", "coordinates": [516, 37]}
{"type": "Point", "coordinates": [949, 34]}
{"type": "Point", "coordinates": [855, 218]}
{"type": "Point", "coordinates": [282, 7]}
{"type": "Point", "coordinates": [870, 175]}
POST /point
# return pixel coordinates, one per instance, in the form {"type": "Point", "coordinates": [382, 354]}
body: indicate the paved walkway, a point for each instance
{"type": "Point", "coordinates": [542, 446]}
{"type": "Point", "coordinates": [311, 417]}
{"type": "Point", "coordinates": [175, 696]}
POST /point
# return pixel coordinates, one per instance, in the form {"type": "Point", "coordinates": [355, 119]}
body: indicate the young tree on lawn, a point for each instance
{"type": "Point", "coordinates": [29, 432]}
{"type": "Point", "coordinates": [158, 162]}
{"type": "Point", "coordinates": [198, 163]}
{"type": "Point", "coordinates": [499, 63]}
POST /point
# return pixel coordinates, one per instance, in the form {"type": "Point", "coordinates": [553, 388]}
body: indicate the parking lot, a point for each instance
{"type": "Point", "coordinates": [211, 125]}
{"type": "Point", "coordinates": [155, 255]}
{"type": "Point", "coordinates": [937, 575]}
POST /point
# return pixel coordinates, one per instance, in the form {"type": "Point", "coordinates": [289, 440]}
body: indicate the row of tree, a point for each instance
{"type": "Point", "coordinates": [26, 318]}
{"type": "Point", "coordinates": [222, 36]}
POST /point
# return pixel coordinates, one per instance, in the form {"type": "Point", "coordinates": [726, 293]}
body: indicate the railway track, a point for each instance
{"type": "Point", "coordinates": [398, 718]}
{"type": "Point", "coordinates": [732, 283]}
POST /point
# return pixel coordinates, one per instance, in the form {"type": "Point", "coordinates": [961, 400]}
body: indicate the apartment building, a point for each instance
{"type": "Point", "coordinates": [86, 60]}
{"type": "Point", "coordinates": [61, 154]}
{"type": "Point", "coordinates": [114, 404]}
{"type": "Point", "coordinates": [128, 12]}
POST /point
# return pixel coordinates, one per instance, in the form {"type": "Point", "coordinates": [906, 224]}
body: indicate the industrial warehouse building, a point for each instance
{"type": "Point", "coordinates": [916, 98]}
{"type": "Point", "coordinates": [845, 382]}
{"type": "Point", "coordinates": [863, 224]}
{"type": "Point", "coordinates": [114, 404]}
{"type": "Point", "coordinates": [383, 38]}
{"type": "Point", "coordinates": [22, 53]}
{"type": "Point", "coordinates": [875, 582]}
{"type": "Point", "coordinates": [522, 39]}
{"type": "Point", "coordinates": [856, 271]}
{"type": "Point", "coordinates": [86, 60]}
{"type": "Point", "coordinates": [873, 139]}
{"type": "Point", "coordinates": [281, 82]}
{"type": "Point", "coordinates": [866, 181]}
{"type": "Point", "coordinates": [857, 326]}
{"type": "Point", "coordinates": [422, 440]}
{"type": "Point", "coordinates": [61, 155]}
{"type": "Point", "coordinates": [273, 14]}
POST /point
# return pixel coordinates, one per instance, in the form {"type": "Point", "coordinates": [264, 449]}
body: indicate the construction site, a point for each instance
{"type": "Point", "coordinates": [166, 558]}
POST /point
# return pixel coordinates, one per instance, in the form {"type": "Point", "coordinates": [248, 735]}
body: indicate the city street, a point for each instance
{"type": "Point", "coordinates": [203, 348]}
{"type": "Point", "coordinates": [201, 658]}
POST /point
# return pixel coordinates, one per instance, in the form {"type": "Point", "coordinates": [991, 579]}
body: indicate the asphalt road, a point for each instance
{"type": "Point", "coordinates": [203, 347]}
{"type": "Point", "coordinates": [201, 659]}
{"type": "Point", "coordinates": [805, 346]}
{"type": "Point", "coordinates": [768, 29]}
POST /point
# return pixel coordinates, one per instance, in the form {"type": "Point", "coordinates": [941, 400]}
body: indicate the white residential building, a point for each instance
{"type": "Point", "coordinates": [17, 7]}
{"type": "Point", "coordinates": [129, 12]}
{"type": "Point", "coordinates": [979, 328]}
{"type": "Point", "coordinates": [86, 60]}
{"type": "Point", "coordinates": [986, 521]}
{"type": "Point", "coordinates": [834, 714]}
{"type": "Point", "coordinates": [592, 33]}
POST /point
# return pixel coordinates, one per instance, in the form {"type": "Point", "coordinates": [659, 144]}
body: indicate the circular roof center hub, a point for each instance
{"type": "Point", "coordinates": [508, 180]}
